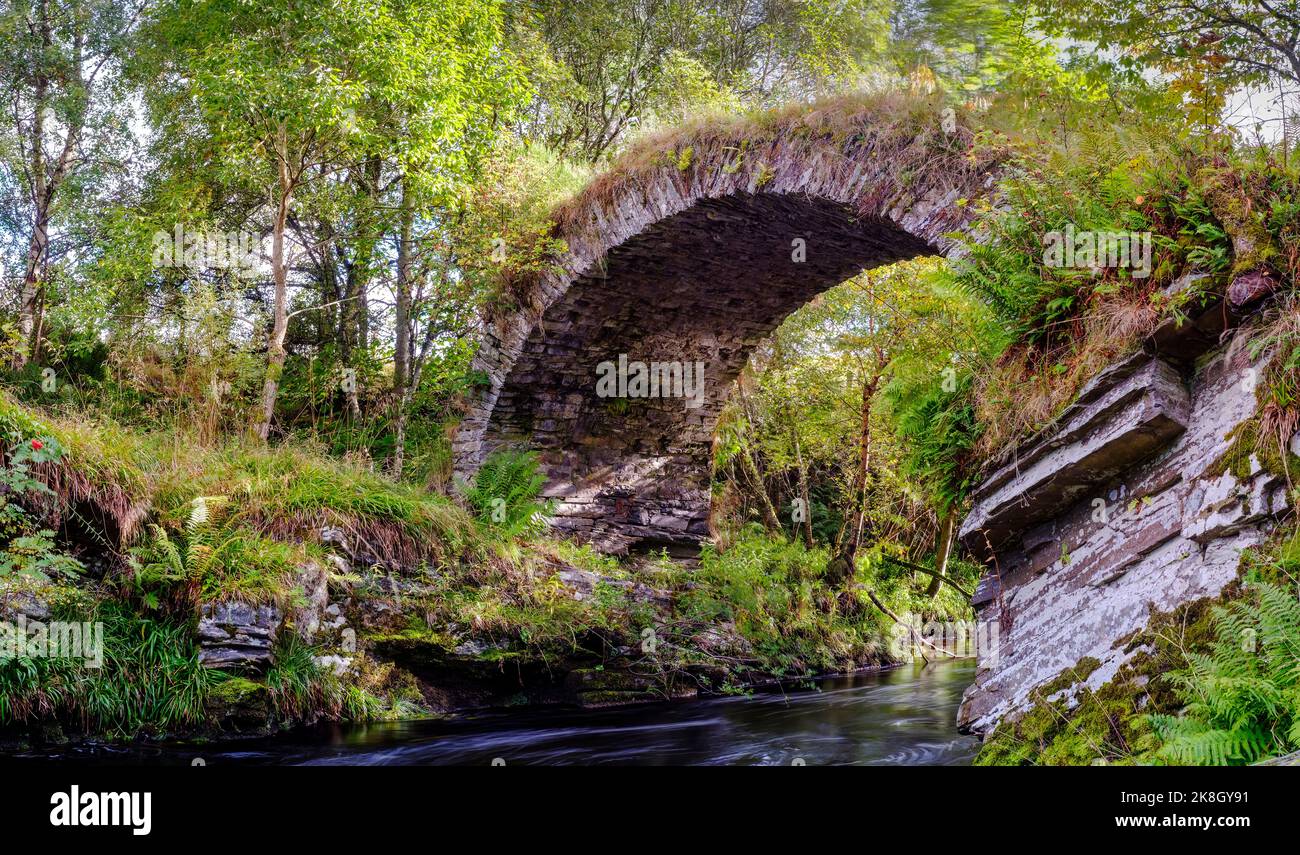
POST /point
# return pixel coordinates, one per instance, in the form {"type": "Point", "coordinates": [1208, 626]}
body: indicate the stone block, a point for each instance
{"type": "Point", "coordinates": [237, 636]}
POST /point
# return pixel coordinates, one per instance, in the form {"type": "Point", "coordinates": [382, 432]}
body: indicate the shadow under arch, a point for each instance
{"type": "Point", "coordinates": [691, 250]}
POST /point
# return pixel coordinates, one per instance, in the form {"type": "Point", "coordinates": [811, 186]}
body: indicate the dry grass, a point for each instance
{"type": "Point", "coordinates": [873, 151]}
{"type": "Point", "coordinates": [1024, 390]}
{"type": "Point", "coordinates": [1279, 412]}
{"type": "Point", "coordinates": [115, 480]}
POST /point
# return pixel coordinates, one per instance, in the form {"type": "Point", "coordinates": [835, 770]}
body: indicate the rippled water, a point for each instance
{"type": "Point", "coordinates": [905, 716]}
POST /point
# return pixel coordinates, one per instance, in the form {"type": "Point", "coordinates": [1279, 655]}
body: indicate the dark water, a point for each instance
{"type": "Point", "coordinates": [905, 716]}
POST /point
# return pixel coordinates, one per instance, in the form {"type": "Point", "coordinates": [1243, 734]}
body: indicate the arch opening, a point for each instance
{"type": "Point", "coordinates": [693, 250]}
{"type": "Point", "coordinates": [697, 290]}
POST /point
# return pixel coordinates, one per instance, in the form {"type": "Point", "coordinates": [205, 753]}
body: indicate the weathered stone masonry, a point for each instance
{"type": "Point", "coordinates": [1117, 509]}
{"type": "Point", "coordinates": [696, 265]}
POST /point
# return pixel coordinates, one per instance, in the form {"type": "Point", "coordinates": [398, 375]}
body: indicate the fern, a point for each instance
{"type": "Point", "coordinates": [1242, 697]}
{"type": "Point", "coordinates": [212, 557]}
{"type": "Point", "coordinates": [505, 494]}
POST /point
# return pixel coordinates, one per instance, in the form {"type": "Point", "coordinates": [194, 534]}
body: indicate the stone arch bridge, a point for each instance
{"type": "Point", "coordinates": [688, 253]}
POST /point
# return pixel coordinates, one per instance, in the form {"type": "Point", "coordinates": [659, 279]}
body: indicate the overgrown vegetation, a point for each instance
{"type": "Point", "coordinates": [1242, 696]}
{"type": "Point", "coordinates": [245, 301]}
{"type": "Point", "coordinates": [150, 681]}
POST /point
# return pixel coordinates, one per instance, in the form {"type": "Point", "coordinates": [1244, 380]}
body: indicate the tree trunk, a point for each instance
{"type": "Point", "coordinates": [751, 468]}
{"type": "Point", "coordinates": [769, 510]}
{"type": "Point", "coordinates": [399, 435]}
{"type": "Point", "coordinates": [402, 350]}
{"type": "Point", "coordinates": [30, 320]}
{"type": "Point", "coordinates": [30, 303]}
{"type": "Point", "coordinates": [275, 353]}
{"type": "Point", "coordinates": [350, 393]}
{"type": "Point", "coordinates": [803, 492]}
{"type": "Point", "coordinates": [943, 548]}
{"type": "Point", "coordinates": [403, 381]}
{"type": "Point", "coordinates": [859, 489]}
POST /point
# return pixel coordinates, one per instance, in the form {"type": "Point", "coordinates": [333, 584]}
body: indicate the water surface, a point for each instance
{"type": "Point", "coordinates": [904, 716]}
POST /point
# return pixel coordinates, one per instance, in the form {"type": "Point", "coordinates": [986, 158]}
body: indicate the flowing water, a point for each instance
{"type": "Point", "coordinates": [904, 716]}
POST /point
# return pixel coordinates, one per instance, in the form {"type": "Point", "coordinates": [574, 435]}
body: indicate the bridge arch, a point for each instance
{"type": "Point", "coordinates": [692, 249]}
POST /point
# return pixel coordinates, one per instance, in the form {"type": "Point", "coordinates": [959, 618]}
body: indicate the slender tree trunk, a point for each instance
{"type": "Point", "coordinates": [751, 468]}
{"type": "Point", "coordinates": [330, 294]}
{"type": "Point", "coordinates": [350, 393]}
{"type": "Point", "coordinates": [803, 492]}
{"type": "Point", "coordinates": [403, 381]}
{"type": "Point", "coordinates": [943, 548]}
{"type": "Point", "coordinates": [399, 434]}
{"type": "Point", "coordinates": [419, 358]}
{"type": "Point", "coordinates": [29, 307]}
{"type": "Point", "coordinates": [858, 493]}
{"type": "Point", "coordinates": [402, 350]}
{"type": "Point", "coordinates": [275, 353]}
{"type": "Point", "coordinates": [769, 511]}
{"type": "Point", "coordinates": [349, 325]}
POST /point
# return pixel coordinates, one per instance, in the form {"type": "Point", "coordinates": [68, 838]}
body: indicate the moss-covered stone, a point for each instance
{"type": "Point", "coordinates": [1252, 244]}
{"type": "Point", "coordinates": [1246, 443]}
{"type": "Point", "coordinates": [238, 703]}
{"type": "Point", "coordinates": [1109, 724]}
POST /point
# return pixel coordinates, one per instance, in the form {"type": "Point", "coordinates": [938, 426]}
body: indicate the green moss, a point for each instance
{"type": "Point", "coordinates": [1071, 676]}
{"type": "Point", "coordinates": [1245, 443]}
{"type": "Point", "coordinates": [237, 690]}
{"type": "Point", "coordinates": [1246, 227]}
{"type": "Point", "coordinates": [1109, 724]}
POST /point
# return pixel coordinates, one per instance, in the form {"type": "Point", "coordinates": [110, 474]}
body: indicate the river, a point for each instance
{"type": "Point", "coordinates": [903, 716]}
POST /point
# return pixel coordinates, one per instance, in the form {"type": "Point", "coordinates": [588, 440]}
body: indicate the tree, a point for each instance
{"type": "Point", "coordinates": [603, 70]}
{"type": "Point", "coordinates": [454, 259]}
{"type": "Point", "coordinates": [289, 93]}
{"type": "Point", "coordinates": [58, 62]}
{"type": "Point", "coordinates": [829, 417]}
{"type": "Point", "coordinates": [1245, 41]}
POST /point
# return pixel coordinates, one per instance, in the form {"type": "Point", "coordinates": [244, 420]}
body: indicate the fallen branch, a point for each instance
{"type": "Point", "coordinates": [916, 636]}
{"type": "Point", "coordinates": [935, 573]}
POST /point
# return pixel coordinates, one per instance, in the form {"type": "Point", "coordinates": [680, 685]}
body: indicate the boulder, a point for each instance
{"type": "Point", "coordinates": [583, 585]}
{"type": "Point", "coordinates": [240, 705]}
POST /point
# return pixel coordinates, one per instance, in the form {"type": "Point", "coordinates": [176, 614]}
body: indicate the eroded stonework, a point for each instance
{"type": "Point", "coordinates": [1121, 508]}
{"type": "Point", "coordinates": [694, 265]}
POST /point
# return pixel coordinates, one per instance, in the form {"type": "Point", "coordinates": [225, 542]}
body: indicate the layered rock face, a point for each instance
{"type": "Point", "coordinates": [237, 636]}
{"type": "Point", "coordinates": [1121, 508]}
{"type": "Point", "coordinates": [240, 637]}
